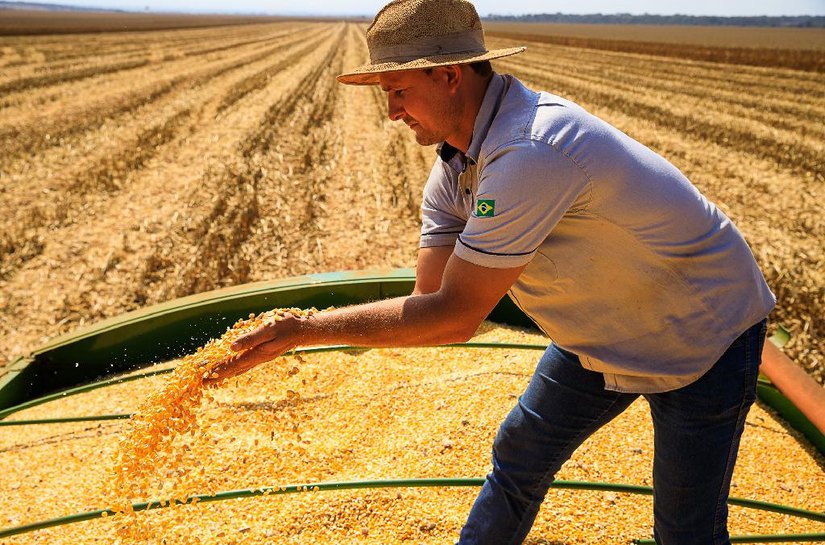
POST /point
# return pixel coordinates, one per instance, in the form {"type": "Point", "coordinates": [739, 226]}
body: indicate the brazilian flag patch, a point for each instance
{"type": "Point", "coordinates": [485, 208]}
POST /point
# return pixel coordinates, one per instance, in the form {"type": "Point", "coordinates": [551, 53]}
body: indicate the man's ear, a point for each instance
{"type": "Point", "coordinates": [451, 75]}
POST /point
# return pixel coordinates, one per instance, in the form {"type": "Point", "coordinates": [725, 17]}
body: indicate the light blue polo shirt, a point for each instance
{"type": "Point", "coordinates": [628, 265]}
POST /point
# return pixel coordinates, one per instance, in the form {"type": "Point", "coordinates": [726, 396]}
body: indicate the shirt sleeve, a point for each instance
{"type": "Point", "coordinates": [441, 219]}
{"type": "Point", "coordinates": [524, 190]}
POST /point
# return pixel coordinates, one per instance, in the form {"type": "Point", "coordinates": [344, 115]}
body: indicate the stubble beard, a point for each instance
{"type": "Point", "coordinates": [427, 139]}
{"type": "Point", "coordinates": [449, 114]}
{"type": "Point", "coordinates": [424, 137]}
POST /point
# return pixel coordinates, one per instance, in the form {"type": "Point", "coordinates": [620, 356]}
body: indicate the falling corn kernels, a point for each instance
{"type": "Point", "coordinates": [169, 412]}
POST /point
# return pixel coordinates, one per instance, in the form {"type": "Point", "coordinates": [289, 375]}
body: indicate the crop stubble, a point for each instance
{"type": "Point", "coordinates": [142, 166]}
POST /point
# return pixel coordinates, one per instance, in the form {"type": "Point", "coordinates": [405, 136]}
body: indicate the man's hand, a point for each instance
{"type": "Point", "coordinates": [259, 346]}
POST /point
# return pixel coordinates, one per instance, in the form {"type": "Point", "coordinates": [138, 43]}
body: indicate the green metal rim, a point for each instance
{"type": "Point", "coordinates": [79, 390]}
{"type": "Point", "coordinates": [387, 483]}
{"type": "Point", "coordinates": [65, 420]}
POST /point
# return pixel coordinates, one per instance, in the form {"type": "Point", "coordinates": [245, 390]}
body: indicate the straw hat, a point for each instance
{"type": "Point", "coordinates": [411, 34]}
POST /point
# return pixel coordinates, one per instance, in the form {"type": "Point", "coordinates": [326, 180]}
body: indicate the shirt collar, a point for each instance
{"type": "Point", "coordinates": [484, 119]}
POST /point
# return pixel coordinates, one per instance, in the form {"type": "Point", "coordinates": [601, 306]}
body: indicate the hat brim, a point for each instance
{"type": "Point", "coordinates": [368, 73]}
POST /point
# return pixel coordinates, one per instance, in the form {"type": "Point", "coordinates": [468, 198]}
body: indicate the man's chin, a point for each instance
{"type": "Point", "coordinates": [426, 139]}
{"type": "Point", "coordinates": [421, 137]}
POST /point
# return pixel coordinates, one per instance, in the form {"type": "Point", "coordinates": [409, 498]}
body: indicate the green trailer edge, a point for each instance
{"type": "Point", "coordinates": [172, 329]}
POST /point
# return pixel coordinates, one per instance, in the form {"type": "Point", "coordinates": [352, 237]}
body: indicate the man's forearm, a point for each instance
{"type": "Point", "coordinates": [452, 314]}
{"type": "Point", "coordinates": [415, 320]}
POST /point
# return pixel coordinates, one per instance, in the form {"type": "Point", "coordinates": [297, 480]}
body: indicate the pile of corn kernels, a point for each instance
{"type": "Point", "coordinates": [147, 451]}
{"type": "Point", "coordinates": [351, 415]}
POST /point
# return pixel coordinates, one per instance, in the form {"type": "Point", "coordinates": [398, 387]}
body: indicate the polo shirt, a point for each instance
{"type": "Point", "coordinates": [628, 264]}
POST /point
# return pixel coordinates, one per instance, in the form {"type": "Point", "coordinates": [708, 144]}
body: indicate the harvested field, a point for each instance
{"type": "Point", "coordinates": [315, 419]}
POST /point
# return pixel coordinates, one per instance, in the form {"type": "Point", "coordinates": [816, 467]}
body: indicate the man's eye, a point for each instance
{"type": "Point", "coordinates": [399, 93]}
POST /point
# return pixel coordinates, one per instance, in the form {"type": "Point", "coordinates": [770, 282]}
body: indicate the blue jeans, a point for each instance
{"type": "Point", "coordinates": [696, 439]}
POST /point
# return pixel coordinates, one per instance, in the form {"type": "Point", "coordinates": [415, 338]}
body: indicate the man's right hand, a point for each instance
{"type": "Point", "coordinates": [259, 346]}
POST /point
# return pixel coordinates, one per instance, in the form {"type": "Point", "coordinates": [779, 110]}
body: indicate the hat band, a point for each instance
{"type": "Point", "coordinates": [471, 41]}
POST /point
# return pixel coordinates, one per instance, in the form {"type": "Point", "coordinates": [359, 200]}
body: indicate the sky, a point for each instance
{"type": "Point", "coordinates": [484, 7]}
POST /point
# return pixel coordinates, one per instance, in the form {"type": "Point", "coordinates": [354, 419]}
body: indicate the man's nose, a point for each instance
{"type": "Point", "coordinates": [394, 109]}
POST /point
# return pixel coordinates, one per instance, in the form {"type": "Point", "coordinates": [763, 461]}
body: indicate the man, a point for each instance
{"type": "Point", "coordinates": [645, 287]}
